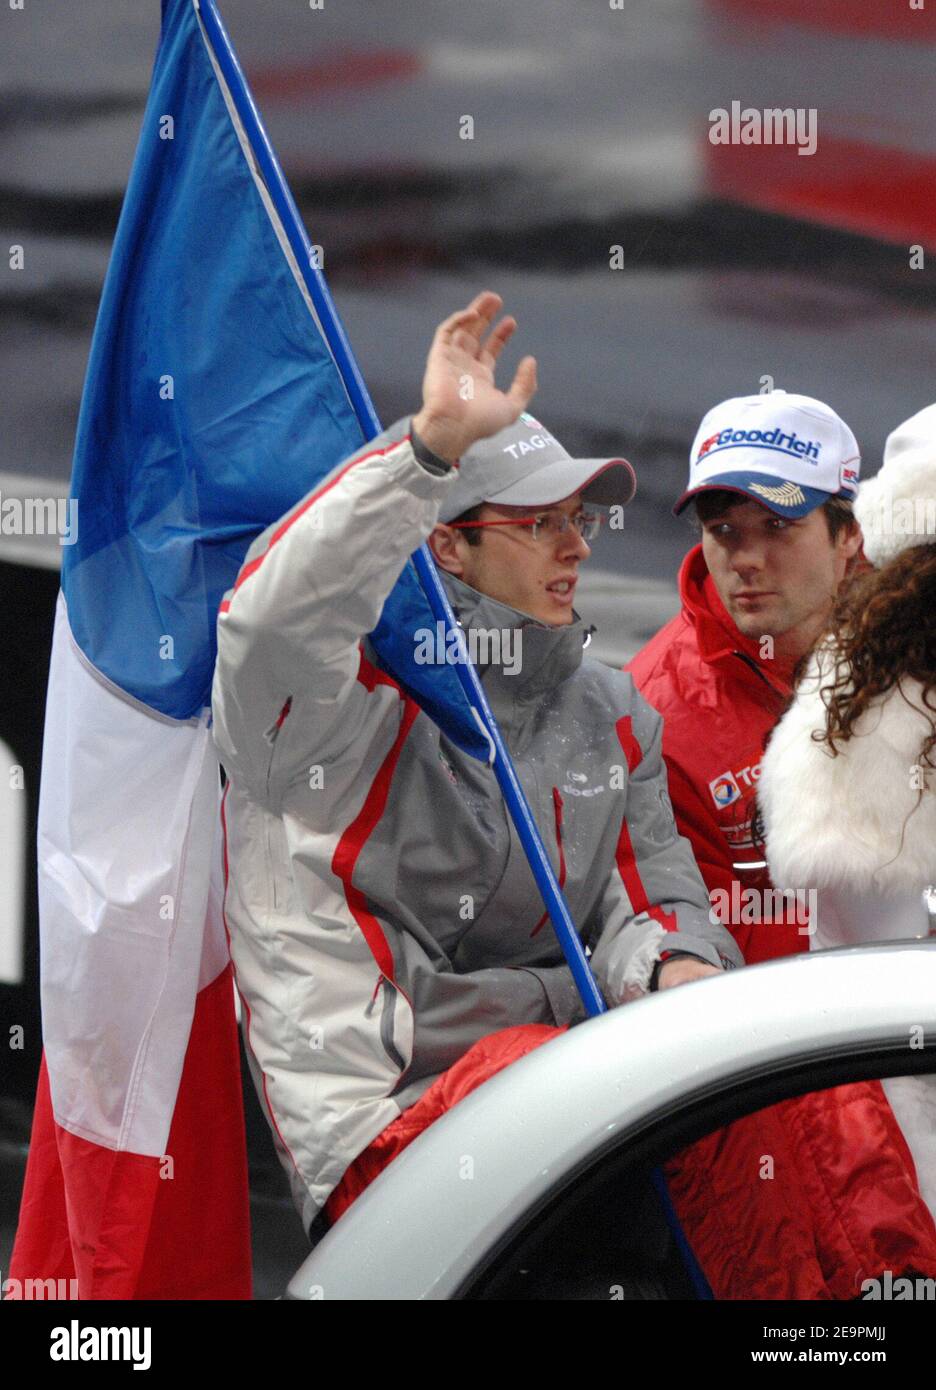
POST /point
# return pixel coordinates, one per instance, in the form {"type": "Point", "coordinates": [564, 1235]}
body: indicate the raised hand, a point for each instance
{"type": "Point", "coordinates": [461, 402]}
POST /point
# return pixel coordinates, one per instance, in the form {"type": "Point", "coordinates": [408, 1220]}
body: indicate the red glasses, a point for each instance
{"type": "Point", "coordinates": [547, 526]}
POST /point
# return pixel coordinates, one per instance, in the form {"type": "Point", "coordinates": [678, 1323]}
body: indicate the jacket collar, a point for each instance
{"type": "Point", "coordinates": [549, 654]}
{"type": "Point", "coordinates": [716, 635]}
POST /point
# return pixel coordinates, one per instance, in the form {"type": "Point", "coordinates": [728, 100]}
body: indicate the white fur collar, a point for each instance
{"type": "Point", "coordinates": [858, 819]}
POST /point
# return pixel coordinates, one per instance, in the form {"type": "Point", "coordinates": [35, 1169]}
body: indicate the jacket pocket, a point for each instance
{"type": "Point", "coordinates": [281, 898]}
{"type": "Point", "coordinates": [557, 808]}
{"type": "Point", "coordinates": [387, 1009]}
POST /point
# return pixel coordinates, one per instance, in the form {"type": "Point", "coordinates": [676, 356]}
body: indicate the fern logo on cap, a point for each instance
{"type": "Point", "coordinates": [786, 495]}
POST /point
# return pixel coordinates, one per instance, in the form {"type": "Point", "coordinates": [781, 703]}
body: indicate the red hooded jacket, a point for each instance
{"type": "Point", "coordinates": [719, 698]}
{"type": "Point", "coordinates": [845, 1202]}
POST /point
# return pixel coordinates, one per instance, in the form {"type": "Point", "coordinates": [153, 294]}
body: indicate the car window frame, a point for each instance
{"type": "Point", "coordinates": [660, 1134]}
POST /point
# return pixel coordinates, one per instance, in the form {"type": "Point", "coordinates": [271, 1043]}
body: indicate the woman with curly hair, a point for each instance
{"type": "Point", "coordinates": [848, 784]}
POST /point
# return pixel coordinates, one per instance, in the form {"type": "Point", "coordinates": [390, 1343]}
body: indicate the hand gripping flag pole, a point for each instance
{"type": "Point", "coordinates": [498, 756]}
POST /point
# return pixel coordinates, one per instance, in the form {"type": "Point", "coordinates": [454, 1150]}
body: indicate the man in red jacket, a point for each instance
{"type": "Point", "coordinates": [771, 480]}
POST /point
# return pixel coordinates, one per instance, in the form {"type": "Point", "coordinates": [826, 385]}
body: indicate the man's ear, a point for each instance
{"type": "Point", "coordinates": [446, 545]}
{"type": "Point", "coordinates": [851, 543]}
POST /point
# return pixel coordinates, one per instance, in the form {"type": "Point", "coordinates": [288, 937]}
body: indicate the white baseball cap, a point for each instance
{"type": "Point", "coordinates": [789, 452]}
{"type": "Point", "coordinates": [525, 466]}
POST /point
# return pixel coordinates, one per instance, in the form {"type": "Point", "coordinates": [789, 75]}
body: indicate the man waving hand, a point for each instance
{"type": "Point", "coordinates": [387, 933]}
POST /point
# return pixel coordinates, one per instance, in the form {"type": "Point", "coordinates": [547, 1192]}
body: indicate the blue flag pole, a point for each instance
{"type": "Point", "coordinates": [337, 340]}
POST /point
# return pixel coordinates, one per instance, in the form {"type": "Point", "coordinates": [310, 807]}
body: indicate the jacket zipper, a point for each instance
{"type": "Point", "coordinates": [373, 999]}
{"type": "Point", "coordinates": [753, 666]}
{"type": "Point", "coordinates": [386, 1019]}
{"type": "Point", "coordinates": [557, 807]}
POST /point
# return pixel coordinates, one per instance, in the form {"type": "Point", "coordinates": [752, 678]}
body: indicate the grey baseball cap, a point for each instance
{"type": "Point", "coordinates": [525, 466]}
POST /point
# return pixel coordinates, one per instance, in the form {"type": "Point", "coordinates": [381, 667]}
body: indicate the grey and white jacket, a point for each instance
{"type": "Point", "coordinates": [382, 914]}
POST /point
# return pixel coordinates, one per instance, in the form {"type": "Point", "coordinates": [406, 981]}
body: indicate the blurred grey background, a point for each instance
{"type": "Point", "coordinates": [590, 132]}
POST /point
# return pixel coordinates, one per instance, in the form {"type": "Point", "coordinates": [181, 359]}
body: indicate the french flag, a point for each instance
{"type": "Point", "coordinates": [212, 404]}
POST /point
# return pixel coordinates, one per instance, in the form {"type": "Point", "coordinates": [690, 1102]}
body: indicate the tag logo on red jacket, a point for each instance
{"type": "Point", "coordinates": [725, 790]}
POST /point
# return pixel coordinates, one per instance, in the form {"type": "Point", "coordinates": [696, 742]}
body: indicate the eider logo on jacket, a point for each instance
{"type": "Point", "coordinates": [571, 790]}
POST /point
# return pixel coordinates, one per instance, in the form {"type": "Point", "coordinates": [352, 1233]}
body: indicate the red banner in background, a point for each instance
{"type": "Point", "coordinates": [863, 68]}
{"type": "Point", "coordinates": [877, 192]}
{"type": "Point", "coordinates": [891, 19]}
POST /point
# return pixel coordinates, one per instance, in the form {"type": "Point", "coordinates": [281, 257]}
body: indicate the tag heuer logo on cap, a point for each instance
{"type": "Point", "coordinates": [530, 420]}
{"type": "Point", "coordinates": [786, 495]}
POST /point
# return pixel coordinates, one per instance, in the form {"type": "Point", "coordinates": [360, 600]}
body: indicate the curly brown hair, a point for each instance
{"type": "Point", "coordinates": [884, 629]}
